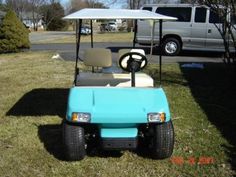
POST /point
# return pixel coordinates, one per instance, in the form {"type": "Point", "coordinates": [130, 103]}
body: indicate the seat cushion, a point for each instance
{"type": "Point", "coordinates": [113, 80]}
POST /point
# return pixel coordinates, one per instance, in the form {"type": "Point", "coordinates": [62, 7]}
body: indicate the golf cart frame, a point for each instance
{"type": "Point", "coordinates": [120, 114]}
{"type": "Point", "coordinates": [78, 25]}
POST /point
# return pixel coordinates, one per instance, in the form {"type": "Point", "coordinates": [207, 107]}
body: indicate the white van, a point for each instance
{"type": "Point", "coordinates": [195, 29]}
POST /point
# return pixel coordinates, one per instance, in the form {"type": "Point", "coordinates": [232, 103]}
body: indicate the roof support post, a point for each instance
{"type": "Point", "coordinates": [135, 33]}
{"type": "Point", "coordinates": [152, 23]}
{"type": "Point", "coordinates": [91, 27]}
{"type": "Point", "coordinates": [78, 35]}
{"type": "Point", "coordinates": [160, 49]}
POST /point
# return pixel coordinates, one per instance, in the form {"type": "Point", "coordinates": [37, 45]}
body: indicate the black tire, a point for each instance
{"type": "Point", "coordinates": [163, 140]}
{"type": "Point", "coordinates": [74, 142]}
{"type": "Point", "coordinates": [171, 46]}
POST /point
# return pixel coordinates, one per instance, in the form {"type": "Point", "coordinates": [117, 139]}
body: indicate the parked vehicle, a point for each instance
{"type": "Point", "coordinates": [196, 28]}
{"type": "Point", "coordinates": [111, 26]}
{"type": "Point", "coordinates": [85, 30]}
{"type": "Point", "coordinates": [116, 110]}
{"type": "Point", "coordinates": [103, 27]}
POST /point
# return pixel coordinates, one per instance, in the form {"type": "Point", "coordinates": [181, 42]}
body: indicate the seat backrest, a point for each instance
{"type": "Point", "coordinates": [98, 57]}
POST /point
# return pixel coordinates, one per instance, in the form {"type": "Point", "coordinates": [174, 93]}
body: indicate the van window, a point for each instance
{"type": "Point", "coordinates": [200, 15]}
{"type": "Point", "coordinates": [147, 8]}
{"type": "Point", "coordinates": [215, 18]}
{"type": "Point", "coordinates": [182, 13]}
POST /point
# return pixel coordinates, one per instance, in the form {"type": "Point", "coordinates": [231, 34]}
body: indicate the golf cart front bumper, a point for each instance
{"type": "Point", "coordinates": [119, 143]}
{"type": "Point", "coordinates": [119, 138]}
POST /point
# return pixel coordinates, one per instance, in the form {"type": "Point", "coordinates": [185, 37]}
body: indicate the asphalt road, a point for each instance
{"type": "Point", "coordinates": [67, 51]}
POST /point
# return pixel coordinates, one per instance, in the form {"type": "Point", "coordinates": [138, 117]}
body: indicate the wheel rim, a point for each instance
{"type": "Point", "coordinates": [171, 47]}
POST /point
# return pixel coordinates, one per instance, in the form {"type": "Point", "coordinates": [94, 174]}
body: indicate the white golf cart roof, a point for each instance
{"type": "Point", "coordinates": [94, 14]}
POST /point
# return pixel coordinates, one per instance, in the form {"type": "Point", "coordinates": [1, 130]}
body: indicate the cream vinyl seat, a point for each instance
{"type": "Point", "coordinates": [99, 57]}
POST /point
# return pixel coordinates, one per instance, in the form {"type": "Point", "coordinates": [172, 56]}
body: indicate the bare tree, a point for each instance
{"type": "Point", "coordinates": [22, 7]}
{"type": "Point", "coordinates": [225, 9]}
{"type": "Point", "coordinates": [76, 5]}
{"type": "Point", "coordinates": [35, 8]}
{"type": "Point", "coordinates": [110, 2]}
{"type": "Point", "coordinates": [80, 4]}
{"type": "Point", "coordinates": [32, 7]}
{"type": "Point", "coordinates": [94, 4]}
{"type": "Point", "coordinates": [19, 6]}
{"type": "Point", "coordinates": [53, 1]}
{"type": "Point", "coordinates": [52, 14]}
{"type": "Point", "coordinates": [135, 4]}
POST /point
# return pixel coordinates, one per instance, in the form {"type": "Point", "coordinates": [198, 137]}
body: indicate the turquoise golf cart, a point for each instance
{"type": "Point", "coordinates": [116, 104]}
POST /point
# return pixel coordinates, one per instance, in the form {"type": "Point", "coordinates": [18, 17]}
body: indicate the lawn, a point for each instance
{"type": "Point", "coordinates": [97, 37]}
{"type": "Point", "coordinates": [33, 95]}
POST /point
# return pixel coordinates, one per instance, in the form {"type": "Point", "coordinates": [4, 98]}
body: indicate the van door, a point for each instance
{"type": "Point", "coordinates": [199, 28]}
{"type": "Point", "coordinates": [214, 38]}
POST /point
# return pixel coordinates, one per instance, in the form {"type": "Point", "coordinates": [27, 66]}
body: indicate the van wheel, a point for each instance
{"type": "Point", "coordinates": [163, 140]}
{"type": "Point", "coordinates": [171, 46]}
{"type": "Point", "coordinates": [74, 142]}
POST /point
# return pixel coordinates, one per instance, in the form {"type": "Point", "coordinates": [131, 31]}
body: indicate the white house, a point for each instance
{"type": "Point", "coordinates": [30, 19]}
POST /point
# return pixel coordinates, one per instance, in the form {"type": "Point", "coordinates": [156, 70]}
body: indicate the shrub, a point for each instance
{"type": "Point", "coordinates": [14, 36]}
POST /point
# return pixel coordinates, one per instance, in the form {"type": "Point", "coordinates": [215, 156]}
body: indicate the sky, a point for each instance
{"type": "Point", "coordinates": [121, 3]}
{"type": "Point", "coordinates": [114, 6]}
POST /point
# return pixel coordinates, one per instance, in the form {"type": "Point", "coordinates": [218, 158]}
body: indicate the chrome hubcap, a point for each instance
{"type": "Point", "coordinates": [171, 47]}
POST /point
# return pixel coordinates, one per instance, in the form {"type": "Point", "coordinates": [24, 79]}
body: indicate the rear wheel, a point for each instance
{"type": "Point", "coordinates": [171, 46]}
{"type": "Point", "coordinates": [74, 142]}
{"type": "Point", "coordinates": [163, 140]}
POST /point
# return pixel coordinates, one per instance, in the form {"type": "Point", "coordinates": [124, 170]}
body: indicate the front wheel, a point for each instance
{"type": "Point", "coordinates": [171, 46]}
{"type": "Point", "coordinates": [74, 141]}
{"type": "Point", "coordinates": [163, 140]}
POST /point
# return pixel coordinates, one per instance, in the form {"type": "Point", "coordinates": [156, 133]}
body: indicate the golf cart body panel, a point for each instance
{"type": "Point", "coordinates": [117, 105]}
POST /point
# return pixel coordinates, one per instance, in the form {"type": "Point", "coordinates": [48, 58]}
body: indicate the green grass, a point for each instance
{"type": "Point", "coordinates": [33, 95]}
{"type": "Point", "coordinates": [97, 37]}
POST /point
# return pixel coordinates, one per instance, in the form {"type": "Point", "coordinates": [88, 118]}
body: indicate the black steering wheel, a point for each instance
{"type": "Point", "coordinates": [133, 62]}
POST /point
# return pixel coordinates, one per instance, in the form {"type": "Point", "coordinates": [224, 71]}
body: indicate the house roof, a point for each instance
{"type": "Point", "coordinates": [93, 14]}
